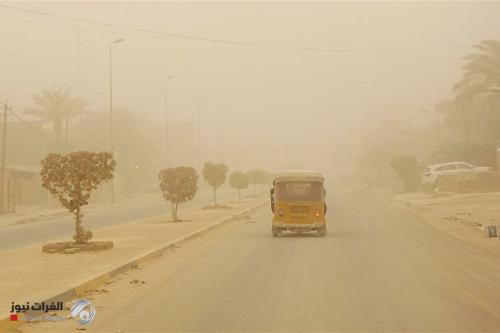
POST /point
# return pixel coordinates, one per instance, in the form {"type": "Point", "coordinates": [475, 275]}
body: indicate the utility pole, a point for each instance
{"type": "Point", "coordinates": [199, 137]}
{"type": "Point", "coordinates": [4, 145]}
{"type": "Point", "coordinates": [167, 141]}
{"type": "Point", "coordinates": [198, 107]}
{"type": "Point", "coordinates": [111, 136]}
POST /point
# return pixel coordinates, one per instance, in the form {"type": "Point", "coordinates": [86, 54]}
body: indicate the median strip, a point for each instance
{"type": "Point", "coordinates": [28, 270]}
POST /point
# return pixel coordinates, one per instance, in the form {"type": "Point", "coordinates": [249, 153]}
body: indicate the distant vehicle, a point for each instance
{"type": "Point", "coordinates": [432, 172]}
{"type": "Point", "coordinates": [298, 202]}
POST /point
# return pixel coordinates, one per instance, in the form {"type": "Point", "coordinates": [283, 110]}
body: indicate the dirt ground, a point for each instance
{"type": "Point", "coordinates": [466, 216]}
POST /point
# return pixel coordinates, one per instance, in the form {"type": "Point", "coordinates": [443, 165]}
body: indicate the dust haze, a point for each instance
{"type": "Point", "coordinates": [143, 154]}
{"type": "Point", "coordinates": [326, 72]}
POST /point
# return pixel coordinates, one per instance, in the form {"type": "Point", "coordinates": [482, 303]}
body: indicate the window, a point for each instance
{"type": "Point", "coordinates": [299, 191]}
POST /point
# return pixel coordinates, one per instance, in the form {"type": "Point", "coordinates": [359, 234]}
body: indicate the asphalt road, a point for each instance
{"type": "Point", "coordinates": [16, 236]}
{"type": "Point", "coordinates": [378, 269]}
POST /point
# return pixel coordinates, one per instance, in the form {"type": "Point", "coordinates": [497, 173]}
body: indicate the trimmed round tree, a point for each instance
{"type": "Point", "coordinates": [178, 185]}
{"type": "Point", "coordinates": [215, 175]}
{"type": "Point", "coordinates": [72, 177]}
{"type": "Point", "coordinates": [238, 180]}
{"type": "Point", "coordinates": [257, 177]}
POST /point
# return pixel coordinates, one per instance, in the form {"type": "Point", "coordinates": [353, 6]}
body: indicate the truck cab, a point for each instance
{"type": "Point", "coordinates": [298, 202]}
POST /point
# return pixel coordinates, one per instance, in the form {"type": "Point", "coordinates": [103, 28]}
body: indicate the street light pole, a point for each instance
{"type": "Point", "coordinates": [111, 134]}
{"type": "Point", "coordinates": [4, 145]}
{"type": "Point", "coordinates": [167, 141]}
{"type": "Point", "coordinates": [198, 123]}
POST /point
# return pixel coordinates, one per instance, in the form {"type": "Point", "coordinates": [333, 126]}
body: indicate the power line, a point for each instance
{"type": "Point", "coordinates": [162, 33]}
{"type": "Point", "coordinates": [30, 126]}
{"type": "Point", "coordinates": [199, 38]}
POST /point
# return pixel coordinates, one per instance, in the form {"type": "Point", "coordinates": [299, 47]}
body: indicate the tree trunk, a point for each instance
{"type": "Point", "coordinates": [239, 195]}
{"type": "Point", "coordinates": [174, 212]}
{"type": "Point", "coordinates": [78, 237]}
{"type": "Point", "coordinates": [215, 196]}
{"type": "Point", "coordinates": [58, 130]}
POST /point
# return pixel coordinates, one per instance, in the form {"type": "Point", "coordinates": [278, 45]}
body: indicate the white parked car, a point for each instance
{"type": "Point", "coordinates": [432, 172]}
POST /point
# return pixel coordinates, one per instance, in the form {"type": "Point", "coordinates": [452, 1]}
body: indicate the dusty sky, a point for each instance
{"type": "Point", "coordinates": [273, 107]}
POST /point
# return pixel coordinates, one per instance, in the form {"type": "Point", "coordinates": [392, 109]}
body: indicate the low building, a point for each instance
{"type": "Point", "coordinates": [22, 186]}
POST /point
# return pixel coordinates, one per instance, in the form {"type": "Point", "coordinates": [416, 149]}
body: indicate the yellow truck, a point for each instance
{"type": "Point", "coordinates": [298, 202]}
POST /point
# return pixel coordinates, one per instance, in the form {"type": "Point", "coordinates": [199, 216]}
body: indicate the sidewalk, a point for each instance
{"type": "Point", "coordinates": [462, 215]}
{"type": "Point", "coordinates": [29, 275]}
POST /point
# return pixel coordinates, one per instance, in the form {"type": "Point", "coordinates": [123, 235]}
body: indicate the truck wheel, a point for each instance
{"type": "Point", "coordinates": [275, 232]}
{"type": "Point", "coordinates": [321, 231]}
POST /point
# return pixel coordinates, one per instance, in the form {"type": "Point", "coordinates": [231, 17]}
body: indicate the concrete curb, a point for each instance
{"type": "Point", "coordinates": [6, 325]}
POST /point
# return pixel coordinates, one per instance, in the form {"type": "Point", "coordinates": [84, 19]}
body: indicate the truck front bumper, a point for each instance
{"type": "Point", "coordinates": [299, 226]}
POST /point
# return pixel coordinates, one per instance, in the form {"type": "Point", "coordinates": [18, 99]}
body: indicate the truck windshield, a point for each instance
{"type": "Point", "coordinates": [299, 191]}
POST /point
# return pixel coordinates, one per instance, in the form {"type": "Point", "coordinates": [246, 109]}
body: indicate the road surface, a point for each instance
{"type": "Point", "coordinates": [378, 269]}
{"type": "Point", "coordinates": [15, 236]}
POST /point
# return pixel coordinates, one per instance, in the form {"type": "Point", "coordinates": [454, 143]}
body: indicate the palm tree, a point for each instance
{"type": "Point", "coordinates": [479, 86]}
{"type": "Point", "coordinates": [486, 63]}
{"type": "Point", "coordinates": [481, 74]}
{"type": "Point", "coordinates": [57, 106]}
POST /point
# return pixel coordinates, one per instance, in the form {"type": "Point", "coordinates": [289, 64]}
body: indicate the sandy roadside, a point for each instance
{"type": "Point", "coordinates": [462, 215]}
{"type": "Point", "coordinates": [29, 275]}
